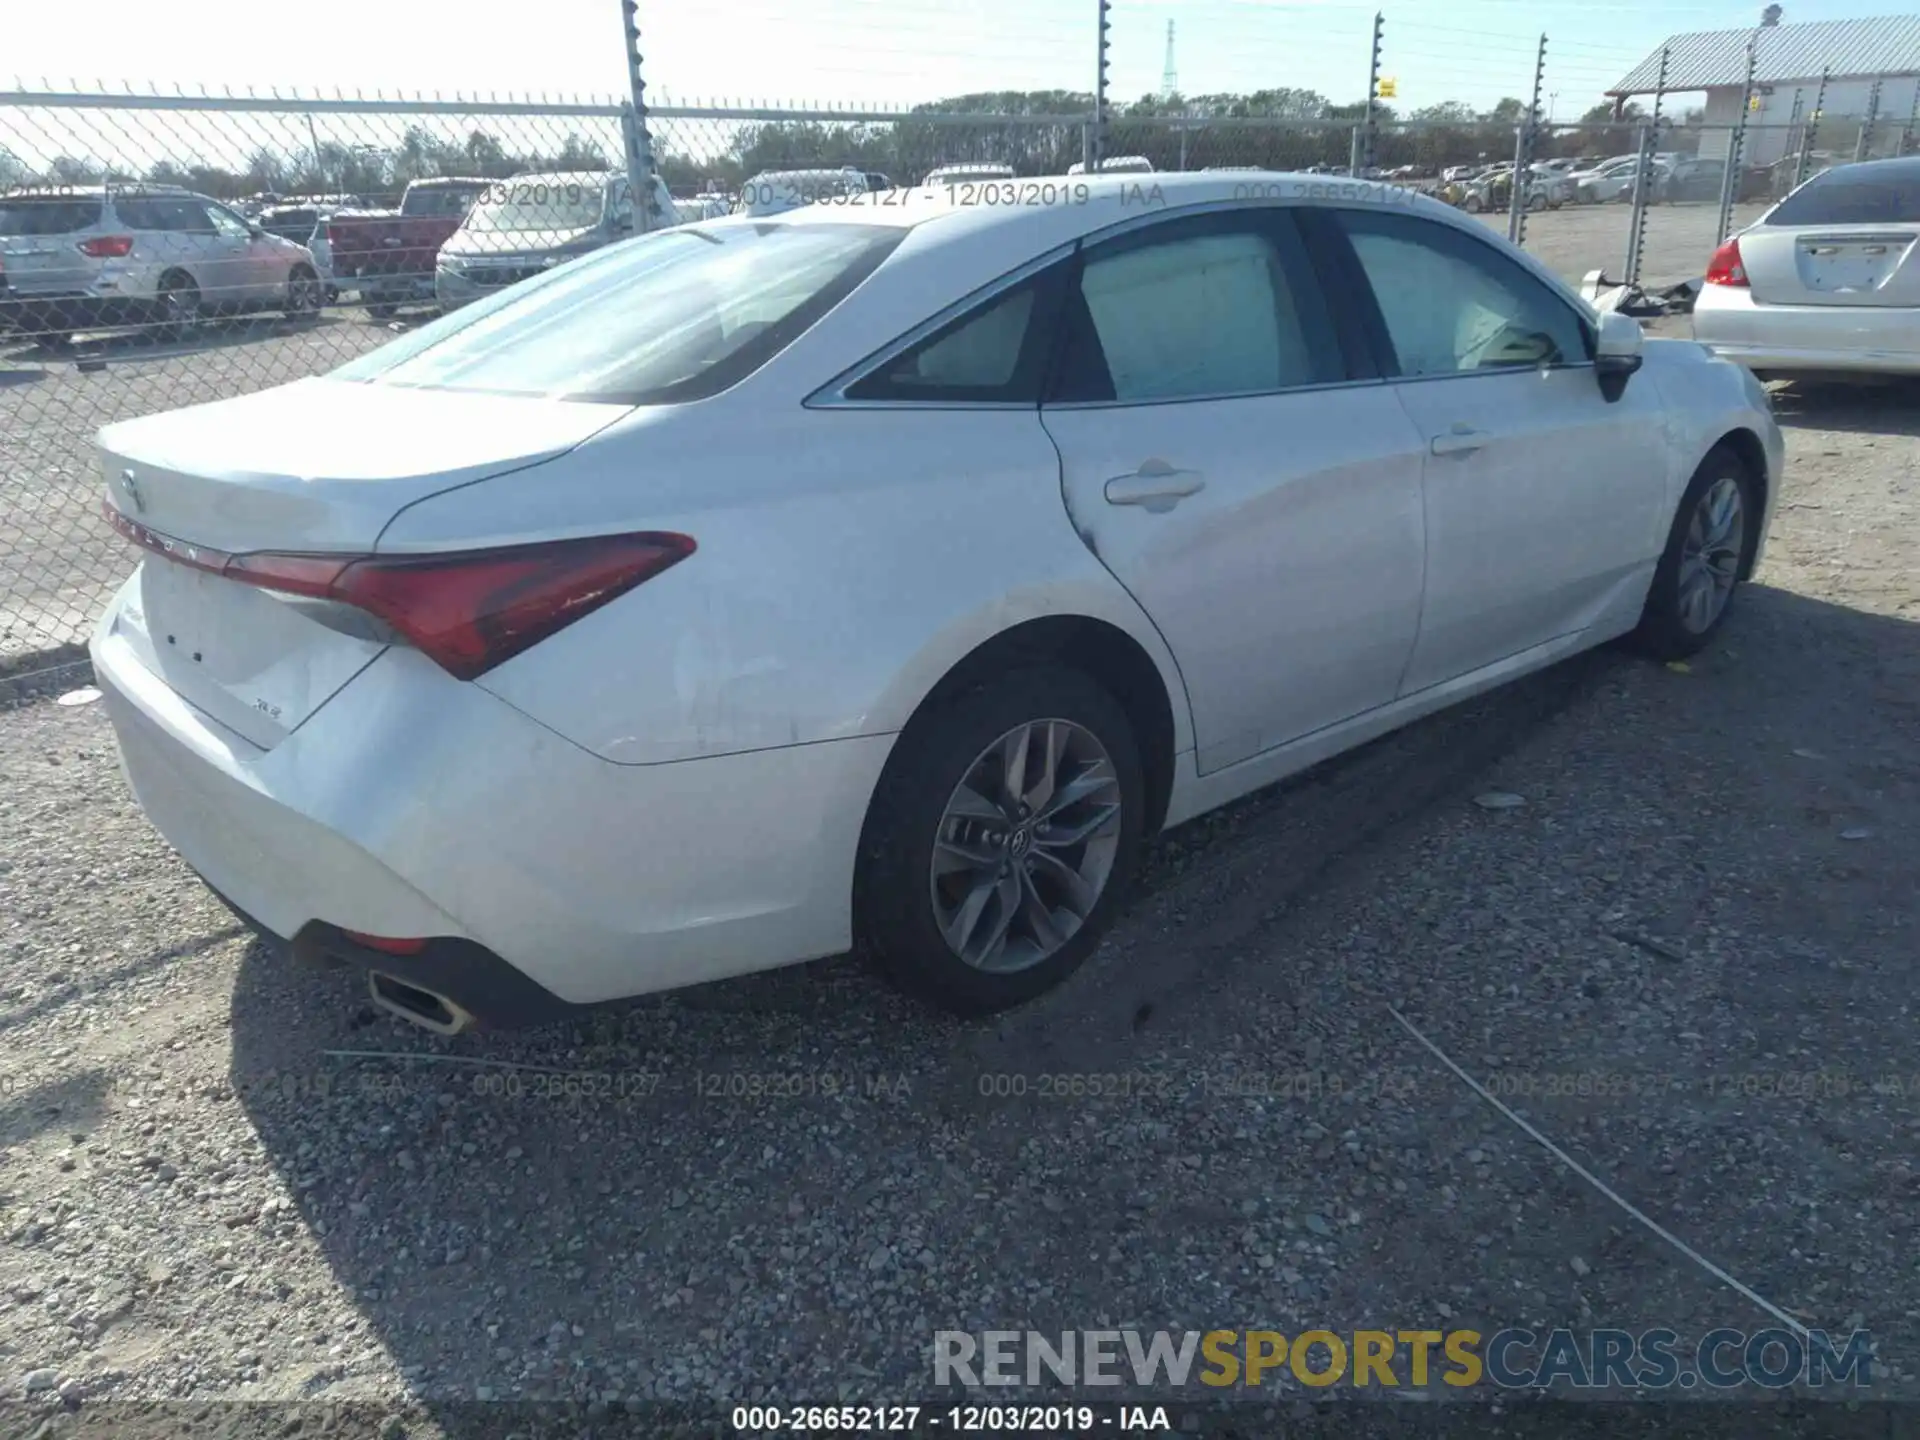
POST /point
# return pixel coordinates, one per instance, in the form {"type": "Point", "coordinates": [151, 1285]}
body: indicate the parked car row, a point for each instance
{"type": "Point", "coordinates": [79, 258]}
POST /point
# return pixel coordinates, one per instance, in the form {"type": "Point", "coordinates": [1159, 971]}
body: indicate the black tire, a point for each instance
{"type": "Point", "coordinates": [893, 899]}
{"type": "Point", "coordinates": [382, 310]}
{"type": "Point", "coordinates": [180, 306]}
{"type": "Point", "coordinates": [1663, 632]}
{"type": "Point", "coordinates": [305, 297]}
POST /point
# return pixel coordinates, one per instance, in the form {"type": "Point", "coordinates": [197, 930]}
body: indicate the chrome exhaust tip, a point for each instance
{"type": "Point", "coordinates": [424, 1008]}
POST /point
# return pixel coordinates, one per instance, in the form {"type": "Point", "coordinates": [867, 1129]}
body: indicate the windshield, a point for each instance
{"type": "Point", "coordinates": [1853, 195]}
{"type": "Point", "coordinates": [30, 215]}
{"type": "Point", "coordinates": [667, 317]}
{"type": "Point", "coordinates": [556, 203]}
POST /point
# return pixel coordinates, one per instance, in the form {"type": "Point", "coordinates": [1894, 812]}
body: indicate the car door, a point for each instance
{"type": "Point", "coordinates": [259, 266]}
{"type": "Point", "coordinates": [225, 265]}
{"type": "Point", "coordinates": [1543, 498]}
{"type": "Point", "coordinates": [1221, 455]}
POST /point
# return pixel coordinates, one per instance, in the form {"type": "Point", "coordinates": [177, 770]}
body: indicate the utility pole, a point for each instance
{"type": "Point", "coordinates": [1097, 133]}
{"type": "Point", "coordinates": [1812, 129]}
{"type": "Point", "coordinates": [1737, 146]}
{"type": "Point", "coordinates": [1368, 137]}
{"type": "Point", "coordinates": [1643, 178]}
{"type": "Point", "coordinates": [1523, 153]}
{"type": "Point", "coordinates": [633, 126]}
{"type": "Point", "coordinates": [1863, 147]}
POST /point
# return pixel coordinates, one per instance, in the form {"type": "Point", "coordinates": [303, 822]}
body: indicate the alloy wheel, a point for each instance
{"type": "Point", "coordinates": [1710, 555]}
{"type": "Point", "coordinates": [1026, 845]}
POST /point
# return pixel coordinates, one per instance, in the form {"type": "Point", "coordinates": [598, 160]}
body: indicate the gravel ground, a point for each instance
{"type": "Point", "coordinates": [782, 1186]}
{"type": "Point", "coordinates": [59, 562]}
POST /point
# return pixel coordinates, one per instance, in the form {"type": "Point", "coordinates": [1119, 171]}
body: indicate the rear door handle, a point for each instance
{"type": "Point", "coordinates": [1156, 485]}
{"type": "Point", "coordinates": [1461, 440]}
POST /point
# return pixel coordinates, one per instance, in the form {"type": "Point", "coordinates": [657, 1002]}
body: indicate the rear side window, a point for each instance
{"type": "Point", "coordinates": [674, 315]}
{"type": "Point", "coordinates": [1197, 308]}
{"type": "Point", "coordinates": [29, 215]}
{"type": "Point", "coordinates": [1853, 195]}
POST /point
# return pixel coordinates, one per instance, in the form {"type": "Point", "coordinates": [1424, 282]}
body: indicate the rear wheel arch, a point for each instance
{"type": "Point", "coordinates": [1098, 649]}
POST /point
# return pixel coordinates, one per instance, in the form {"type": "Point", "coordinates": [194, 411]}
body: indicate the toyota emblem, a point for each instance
{"type": "Point", "coordinates": [132, 487]}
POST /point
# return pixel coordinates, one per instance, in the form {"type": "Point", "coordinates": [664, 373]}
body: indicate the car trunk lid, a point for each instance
{"type": "Point", "coordinates": [320, 466]}
{"type": "Point", "coordinates": [1875, 265]}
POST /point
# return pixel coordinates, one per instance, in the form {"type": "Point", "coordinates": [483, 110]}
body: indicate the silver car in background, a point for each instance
{"type": "Point", "coordinates": [1828, 281]}
{"type": "Point", "coordinates": [98, 257]}
{"type": "Point", "coordinates": [528, 224]}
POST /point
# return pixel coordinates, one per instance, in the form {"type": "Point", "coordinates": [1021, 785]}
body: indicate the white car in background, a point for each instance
{"type": "Point", "coordinates": [1612, 181]}
{"type": "Point", "coordinates": [962, 174]}
{"type": "Point", "coordinates": [890, 569]}
{"type": "Point", "coordinates": [1827, 281]}
{"type": "Point", "coordinates": [1116, 165]}
{"type": "Point", "coordinates": [774, 192]}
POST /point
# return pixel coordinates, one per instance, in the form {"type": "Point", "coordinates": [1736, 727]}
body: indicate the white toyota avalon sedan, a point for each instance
{"type": "Point", "coordinates": [889, 568]}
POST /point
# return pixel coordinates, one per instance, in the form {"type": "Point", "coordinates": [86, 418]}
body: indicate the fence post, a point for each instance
{"type": "Point", "coordinates": [1737, 147]}
{"type": "Point", "coordinates": [1097, 131]}
{"type": "Point", "coordinates": [1523, 153]}
{"type": "Point", "coordinates": [1863, 147]}
{"type": "Point", "coordinates": [633, 128]}
{"type": "Point", "coordinates": [1643, 179]}
{"type": "Point", "coordinates": [1913, 114]}
{"type": "Point", "coordinates": [1364, 149]}
{"type": "Point", "coordinates": [1812, 129]}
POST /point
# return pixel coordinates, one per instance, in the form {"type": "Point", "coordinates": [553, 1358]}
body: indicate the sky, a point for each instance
{"type": "Point", "coordinates": [851, 52]}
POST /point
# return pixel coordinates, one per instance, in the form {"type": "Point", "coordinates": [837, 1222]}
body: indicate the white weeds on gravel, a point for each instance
{"type": "Point", "coordinates": [1574, 1165]}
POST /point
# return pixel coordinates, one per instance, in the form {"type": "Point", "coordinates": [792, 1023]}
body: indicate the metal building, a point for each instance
{"type": "Point", "coordinates": [1789, 61]}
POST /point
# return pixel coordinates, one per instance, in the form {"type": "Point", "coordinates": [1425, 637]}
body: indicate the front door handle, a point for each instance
{"type": "Point", "coordinates": [1156, 485]}
{"type": "Point", "coordinates": [1461, 440]}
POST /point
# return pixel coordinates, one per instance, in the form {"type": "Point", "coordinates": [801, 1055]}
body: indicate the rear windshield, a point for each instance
{"type": "Point", "coordinates": [445, 200]}
{"type": "Point", "coordinates": [1849, 196]}
{"type": "Point", "coordinates": [671, 316]}
{"type": "Point", "coordinates": [29, 215]}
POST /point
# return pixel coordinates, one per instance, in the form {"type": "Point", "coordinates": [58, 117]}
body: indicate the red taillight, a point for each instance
{"type": "Point", "coordinates": [1726, 267]}
{"type": "Point", "coordinates": [468, 611]}
{"type": "Point", "coordinates": [385, 942]}
{"type": "Point", "coordinates": [107, 247]}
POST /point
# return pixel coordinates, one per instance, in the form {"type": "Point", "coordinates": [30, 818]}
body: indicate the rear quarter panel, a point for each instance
{"type": "Point", "coordinates": [847, 560]}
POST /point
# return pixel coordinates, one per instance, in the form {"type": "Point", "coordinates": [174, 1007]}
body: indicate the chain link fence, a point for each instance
{"type": "Point", "coordinates": [163, 251]}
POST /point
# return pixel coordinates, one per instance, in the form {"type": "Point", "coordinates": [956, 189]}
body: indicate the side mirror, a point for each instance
{"type": "Point", "coordinates": [256, 232]}
{"type": "Point", "coordinates": [1617, 353]}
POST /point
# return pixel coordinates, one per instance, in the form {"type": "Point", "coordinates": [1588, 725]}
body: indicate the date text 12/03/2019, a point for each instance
{"type": "Point", "coordinates": [950, 1419]}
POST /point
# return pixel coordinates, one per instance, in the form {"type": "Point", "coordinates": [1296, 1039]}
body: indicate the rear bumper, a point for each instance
{"type": "Point", "coordinates": [411, 805]}
{"type": "Point", "coordinates": [1811, 338]}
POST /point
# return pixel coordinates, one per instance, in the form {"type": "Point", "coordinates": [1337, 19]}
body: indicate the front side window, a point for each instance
{"type": "Point", "coordinates": [1199, 307]}
{"type": "Point", "coordinates": [670, 316]}
{"type": "Point", "coordinates": [227, 223]}
{"type": "Point", "coordinates": [187, 217]}
{"type": "Point", "coordinates": [1451, 304]}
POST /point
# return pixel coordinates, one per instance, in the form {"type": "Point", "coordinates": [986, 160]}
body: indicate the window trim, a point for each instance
{"type": "Point", "coordinates": [1256, 218]}
{"type": "Point", "coordinates": [833, 395]}
{"type": "Point", "coordinates": [1341, 253]}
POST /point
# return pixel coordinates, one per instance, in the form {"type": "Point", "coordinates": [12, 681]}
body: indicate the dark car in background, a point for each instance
{"type": "Point", "coordinates": [389, 256]}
